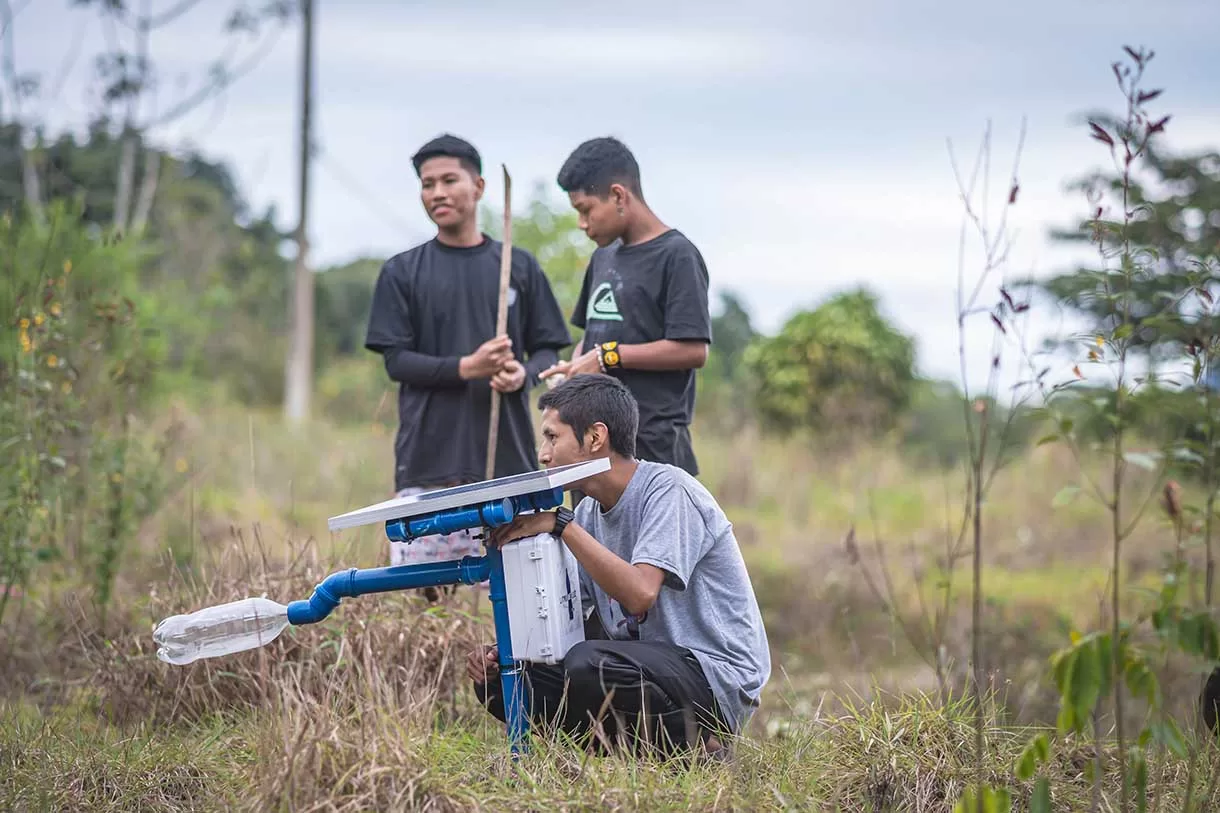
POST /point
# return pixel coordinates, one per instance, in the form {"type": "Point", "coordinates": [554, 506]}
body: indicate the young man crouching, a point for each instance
{"type": "Point", "coordinates": [677, 652]}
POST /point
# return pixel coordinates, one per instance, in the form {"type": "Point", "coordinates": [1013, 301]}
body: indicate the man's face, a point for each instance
{"type": "Point", "coordinates": [449, 192]}
{"type": "Point", "coordinates": [559, 443]}
{"type": "Point", "coordinates": [598, 217]}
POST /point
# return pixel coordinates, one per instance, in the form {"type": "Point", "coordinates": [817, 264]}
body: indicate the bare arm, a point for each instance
{"type": "Point", "coordinates": [666, 354]}
{"type": "Point", "coordinates": [635, 587]}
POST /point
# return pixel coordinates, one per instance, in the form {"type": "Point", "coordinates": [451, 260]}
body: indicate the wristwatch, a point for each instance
{"type": "Point", "coordinates": [563, 515]}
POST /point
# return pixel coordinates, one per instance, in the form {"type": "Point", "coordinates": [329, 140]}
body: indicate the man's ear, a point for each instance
{"type": "Point", "coordinates": [597, 438]}
{"type": "Point", "coordinates": [619, 195]}
{"type": "Point", "coordinates": [480, 183]}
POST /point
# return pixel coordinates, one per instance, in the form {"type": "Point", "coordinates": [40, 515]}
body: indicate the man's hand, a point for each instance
{"type": "Point", "coordinates": [510, 378]}
{"type": "Point", "coordinates": [584, 363]}
{"type": "Point", "coordinates": [488, 360]}
{"type": "Point", "coordinates": [523, 527]}
{"type": "Point", "coordinates": [483, 665]}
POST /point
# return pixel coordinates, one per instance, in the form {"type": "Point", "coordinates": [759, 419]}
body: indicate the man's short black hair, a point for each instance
{"type": "Point", "coordinates": [596, 164]}
{"type": "Point", "coordinates": [590, 398]}
{"type": "Point", "coordinates": [452, 147]}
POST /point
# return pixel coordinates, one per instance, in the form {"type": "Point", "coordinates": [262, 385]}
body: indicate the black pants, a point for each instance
{"type": "Point", "coordinates": [643, 696]}
{"type": "Point", "coordinates": [1209, 703]}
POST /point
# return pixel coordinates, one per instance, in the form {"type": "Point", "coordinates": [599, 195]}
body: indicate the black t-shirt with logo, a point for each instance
{"type": "Point", "coordinates": [434, 304]}
{"type": "Point", "coordinates": [643, 293]}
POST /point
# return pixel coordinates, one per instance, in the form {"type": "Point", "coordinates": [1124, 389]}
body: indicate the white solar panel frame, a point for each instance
{"type": "Point", "coordinates": [443, 499]}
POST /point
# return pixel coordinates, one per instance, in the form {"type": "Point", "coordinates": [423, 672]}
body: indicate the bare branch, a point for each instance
{"type": "Point", "coordinates": [220, 81]}
{"type": "Point", "coordinates": [172, 13]}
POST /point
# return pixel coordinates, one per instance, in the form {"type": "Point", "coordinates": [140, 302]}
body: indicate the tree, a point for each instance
{"type": "Point", "coordinates": [127, 77]}
{"type": "Point", "coordinates": [732, 333]}
{"type": "Point", "coordinates": [840, 367]}
{"type": "Point", "coordinates": [1174, 238]}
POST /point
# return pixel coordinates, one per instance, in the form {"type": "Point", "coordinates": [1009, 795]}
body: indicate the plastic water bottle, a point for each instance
{"type": "Point", "coordinates": [220, 630]}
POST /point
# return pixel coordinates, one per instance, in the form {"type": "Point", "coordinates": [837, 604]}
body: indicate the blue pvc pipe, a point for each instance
{"type": "Point", "coordinates": [354, 582]}
{"type": "Point", "coordinates": [511, 685]}
{"type": "Point", "coordinates": [538, 501]}
{"type": "Point", "coordinates": [491, 514]}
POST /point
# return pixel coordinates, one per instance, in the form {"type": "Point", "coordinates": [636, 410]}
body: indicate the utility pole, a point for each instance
{"type": "Point", "coordinates": [298, 381]}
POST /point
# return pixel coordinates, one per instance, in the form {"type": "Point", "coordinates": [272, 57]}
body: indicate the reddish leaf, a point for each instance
{"type": "Point", "coordinates": [1076, 370]}
{"type": "Point", "coordinates": [1007, 298]}
{"type": "Point", "coordinates": [1158, 126]}
{"type": "Point", "coordinates": [1148, 95]}
{"type": "Point", "coordinates": [998, 323]}
{"type": "Point", "coordinates": [1100, 134]}
{"type": "Point", "coordinates": [1012, 195]}
{"type": "Point", "coordinates": [1138, 59]}
{"type": "Point", "coordinates": [1022, 308]}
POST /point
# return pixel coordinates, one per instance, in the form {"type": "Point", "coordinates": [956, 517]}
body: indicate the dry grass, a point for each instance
{"type": "Point", "coordinates": [369, 709]}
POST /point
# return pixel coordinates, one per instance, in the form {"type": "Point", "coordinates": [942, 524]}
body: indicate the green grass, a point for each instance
{"type": "Point", "coordinates": [369, 710]}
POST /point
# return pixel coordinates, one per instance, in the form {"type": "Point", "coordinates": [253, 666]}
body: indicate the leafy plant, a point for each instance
{"type": "Point", "coordinates": [839, 369]}
{"type": "Point", "coordinates": [1117, 661]}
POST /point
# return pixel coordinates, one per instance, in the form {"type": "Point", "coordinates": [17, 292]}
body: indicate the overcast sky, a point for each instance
{"type": "Point", "coordinates": [802, 145]}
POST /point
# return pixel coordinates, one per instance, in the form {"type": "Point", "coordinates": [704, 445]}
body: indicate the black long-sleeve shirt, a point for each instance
{"type": "Point", "coordinates": [434, 304]}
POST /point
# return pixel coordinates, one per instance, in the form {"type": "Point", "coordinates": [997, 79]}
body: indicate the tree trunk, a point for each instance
{"type": "Point", "coordinates": [122, 191]}
{"type": "Point", "coordinates": [31, 185]}
{"type": "Point", "coordinates": [148, 190]}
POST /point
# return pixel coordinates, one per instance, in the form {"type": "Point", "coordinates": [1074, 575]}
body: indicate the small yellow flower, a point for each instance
{"type": "Point", "coordinates": [1100, 341]}
{"type": "Point", "coordinates": [26, 344]}
{"type": "Point", "coordinates": [67, 266]}
{"type": "Point", "coordinates": [66, 387]}
{"type": "Point", "coordinates": [39, 319]}
{"type": "Point", "coordinates": [56, 310]}
{"type": "Point", "coordinates": [116, 478]}
{"type": "Point", "coordinates": [24, 324]}
{"type": "Point", "coordinates": [180, 465]}
{"type": "Point", "coordinates": [52, 360]}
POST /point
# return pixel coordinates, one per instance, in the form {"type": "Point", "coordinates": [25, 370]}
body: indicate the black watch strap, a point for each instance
{"type": "Point", "coordinates": [563, 515]}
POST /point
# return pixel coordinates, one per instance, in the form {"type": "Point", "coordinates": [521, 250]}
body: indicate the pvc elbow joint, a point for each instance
{"type": "Point", "coordinates": [325, 598]}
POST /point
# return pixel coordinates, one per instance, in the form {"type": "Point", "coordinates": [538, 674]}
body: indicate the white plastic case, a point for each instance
{"type": "Point", "coordinates": [543, 596]}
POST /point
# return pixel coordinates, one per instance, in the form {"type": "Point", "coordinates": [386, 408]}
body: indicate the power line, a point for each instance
{"type": "Point", "coordinates": [376, 206]}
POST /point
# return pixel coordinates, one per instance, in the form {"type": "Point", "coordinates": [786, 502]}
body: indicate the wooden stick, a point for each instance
{"type": "Point", "coordinates": [506, 266]}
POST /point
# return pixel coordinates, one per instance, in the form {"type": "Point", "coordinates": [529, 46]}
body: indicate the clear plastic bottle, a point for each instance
{"type": "Point", "coordinates": [220, 630]}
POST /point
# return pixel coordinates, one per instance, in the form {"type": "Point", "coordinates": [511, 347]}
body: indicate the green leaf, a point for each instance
{"type": "Point", "coordinates": [1042, 748]}
{"type": "Point", "coordinates": [1045, 439]}
{"type": "Point", "coordinates": [1105, 658]}
{"type": "Point", "coordinates": [1139, 779]}
{"type": "Point", "coordinates": [1040, 802]}
{"type": "Point", "coordinates": [1065, 496]}
{"type": "Point", "coordinates": [1086, 680]}
{"type": "Point", "coordinates": [1065, 722]}
{"type": "Point", "coordinates": [1027, 763]}
{"type": "Point", "coordinates": [1167, 733]}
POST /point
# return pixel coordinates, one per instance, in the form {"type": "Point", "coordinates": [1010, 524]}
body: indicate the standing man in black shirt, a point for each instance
{"type": "Point", "coordinates": [644, 303]}
{"type": "Point", "coordinates": [433, 320]}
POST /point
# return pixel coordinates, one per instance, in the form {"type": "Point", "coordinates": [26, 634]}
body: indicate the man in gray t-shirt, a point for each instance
{"type": "Point", "coordinates": [680, 634]}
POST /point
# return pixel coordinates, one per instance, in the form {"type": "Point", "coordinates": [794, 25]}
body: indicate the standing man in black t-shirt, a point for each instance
{"type": "Point", "coordinates": [433, 320]}
{"type": "Point", "coordinates": [644, 303]}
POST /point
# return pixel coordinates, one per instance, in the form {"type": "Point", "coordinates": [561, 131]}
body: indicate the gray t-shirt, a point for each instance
{"type": "Point", "coordinates": [668, 519]}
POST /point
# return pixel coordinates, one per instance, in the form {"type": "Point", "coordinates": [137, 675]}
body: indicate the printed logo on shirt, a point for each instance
{"type": "Point", "coordinates": [603, 305]}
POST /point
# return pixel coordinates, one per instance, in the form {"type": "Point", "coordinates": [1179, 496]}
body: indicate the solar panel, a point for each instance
{"type": "Point", "coordinates": [458, 496]}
